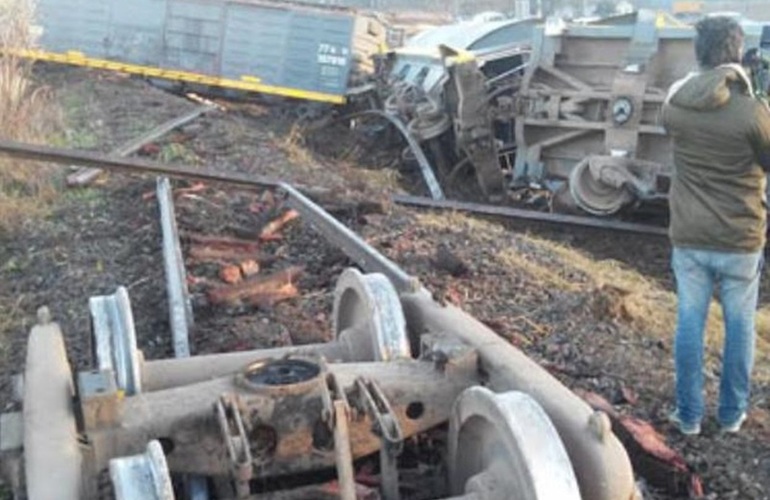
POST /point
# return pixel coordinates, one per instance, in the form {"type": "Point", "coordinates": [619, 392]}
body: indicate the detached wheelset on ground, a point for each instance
{"type": "Point", "coordinates": [500, 445]}
{"type": "Point", "coordinates": [503, 446]}
{"type": "Point", "coordinates": [368, 318]}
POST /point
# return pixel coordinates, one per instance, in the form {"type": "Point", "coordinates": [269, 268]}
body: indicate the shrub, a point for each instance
{"type": "Point", "coordinates": [26, 114]}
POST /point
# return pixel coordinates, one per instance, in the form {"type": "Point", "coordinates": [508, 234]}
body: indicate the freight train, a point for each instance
{"type": "Point", "coordinates": [298, 50]}
{"type": "Point", "coordinates": [569, 110]}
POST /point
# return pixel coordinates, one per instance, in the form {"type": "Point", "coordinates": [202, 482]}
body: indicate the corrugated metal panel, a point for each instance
{"type": "Point", "coordinates": [281, 45]}
{"type": "Point", "coordinates": [136, 31]}
{"type": "Point", "coordinates": [77, 24]}
{"type": "Point", "coordinates": [193, 35]}
{"type": "Point", "coordinates": [287, 47]}
{"type": "Point", "coordinates": [254, 42]}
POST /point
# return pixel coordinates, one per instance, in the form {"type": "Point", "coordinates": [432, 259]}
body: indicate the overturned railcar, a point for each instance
{"type": "Point", "coordinates": [443, 84]}
{"type": "Point", "coordinates": [575, 115]}
{"type": "Point", "coordinates": [296, 50]}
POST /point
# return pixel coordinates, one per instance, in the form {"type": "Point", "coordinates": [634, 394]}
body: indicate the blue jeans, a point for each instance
{"type": "Point", "coordinates": [696, 272]}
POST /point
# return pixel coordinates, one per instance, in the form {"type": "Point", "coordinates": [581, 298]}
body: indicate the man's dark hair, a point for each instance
{"type": "Point", "coordinates": [718, 40]}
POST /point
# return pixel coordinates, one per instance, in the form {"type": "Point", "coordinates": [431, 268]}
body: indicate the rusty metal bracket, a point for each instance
{"type": "Point", "coordinates": [236, 443]}
{"type": "Point", "coordinates": [386, 426]}
{"type": "Point", "coordinates": [473, 127]}
{"type": "Point", "coordinates": [336, 415]}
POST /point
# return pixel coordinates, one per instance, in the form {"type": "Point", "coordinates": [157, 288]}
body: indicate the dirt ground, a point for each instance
{"type": "Point", "coordinates": [595, 308]}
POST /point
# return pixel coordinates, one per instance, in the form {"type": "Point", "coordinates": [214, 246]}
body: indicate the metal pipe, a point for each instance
{"type": "Point", "coordinates": [169, 373]}
{"type": "Point", "coordinates": [601, 464]}
{"type": "Point", "coordinates": [52, 458]}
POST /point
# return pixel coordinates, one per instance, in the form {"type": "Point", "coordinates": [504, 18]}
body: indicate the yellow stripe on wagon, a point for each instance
{"type": "Point", "coordinates": [247, 82]}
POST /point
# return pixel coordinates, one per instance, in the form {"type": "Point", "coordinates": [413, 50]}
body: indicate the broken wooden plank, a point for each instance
{"type": "Point", "coordinates": [227, 242]}
{"type": "Point", "coordinates": [269, 298]}
{"type": "Point", "coordinates": [230, 274]}
{"type": "Point", "coordinates": [270, 231]}
{"type": "Point", "coordinates": [86, 175]}
{"type": "Point", "coordinates": [260, 289]}
{"type": "Point", "coordinates": [204, 253]}
{"type": "Point", "coordinates": [250, 268]}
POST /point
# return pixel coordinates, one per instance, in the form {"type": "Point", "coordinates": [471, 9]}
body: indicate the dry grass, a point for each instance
{"type": "Point", "coordinates": [293, 145]}
{"type": "Point", "coordinates": [26, 114]}
{"type": "Point", "coordinates": [645, 303]}
{"type": "Point", "coordinates": [650, 307]}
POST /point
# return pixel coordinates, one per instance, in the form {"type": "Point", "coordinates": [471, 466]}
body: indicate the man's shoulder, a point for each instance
{"type": "Point", "coordinates": [747, 102]}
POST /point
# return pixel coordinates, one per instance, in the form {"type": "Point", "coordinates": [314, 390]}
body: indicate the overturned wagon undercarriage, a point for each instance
{"type": "Point", "coordinates": [403, 372]}
{"type": "Point", "coordinates": [567, 110]}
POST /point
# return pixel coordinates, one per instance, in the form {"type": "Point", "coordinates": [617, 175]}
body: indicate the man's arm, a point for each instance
{"type": "Point", "coordinates": [760, 135]}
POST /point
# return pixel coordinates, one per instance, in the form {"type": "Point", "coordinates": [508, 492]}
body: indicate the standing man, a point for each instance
{"type": "Point", "coordinates": [718, 218]}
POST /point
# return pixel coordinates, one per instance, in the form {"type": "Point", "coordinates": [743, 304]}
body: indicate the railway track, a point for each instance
{"type": "Point", "coordinates": [88, 159]}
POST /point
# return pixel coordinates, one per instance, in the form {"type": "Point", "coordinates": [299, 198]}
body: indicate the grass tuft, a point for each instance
{"type": "Point", "coordinates": [26, 114]}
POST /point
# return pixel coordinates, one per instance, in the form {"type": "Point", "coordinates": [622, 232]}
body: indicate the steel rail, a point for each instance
{"type": "Point", "coordinates": [519, 213]}
{"type": "Point", "coordinates": [64, 156]}
{"type": "Point", "coordinates": [180, 311]}
{"type": "Point", "coordinates": [358, 250]}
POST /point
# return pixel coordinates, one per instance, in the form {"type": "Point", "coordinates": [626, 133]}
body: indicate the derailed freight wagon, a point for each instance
{"type": "Point", "coordinates": [575, 115]}
{"type": "Point", "coordinates": [296, 50]}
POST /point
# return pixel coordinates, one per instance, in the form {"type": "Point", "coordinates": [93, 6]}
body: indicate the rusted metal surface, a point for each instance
{"type": "Point", "coordinates": [387, 427]}
{"type": "Point", "coordinates": [601, 464]}
{"type": "Point", "coordinates": [532, 215]}
{"type": "Point", "coordinates": [280, 445]}
{"type": "Point", "coordinates": [343, 455]}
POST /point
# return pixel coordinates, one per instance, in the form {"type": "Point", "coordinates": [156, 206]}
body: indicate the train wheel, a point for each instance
{"type": "Point", "coordinates": [142, 476]}
{"type": "Point", "coordinates": [593, 195]}
{"type": "Point", "coordinates": [112, 325]}
{"type": "Point", "coordinates": [504, 446]}
{"type": "Point", "coordinates": [368, 318]}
